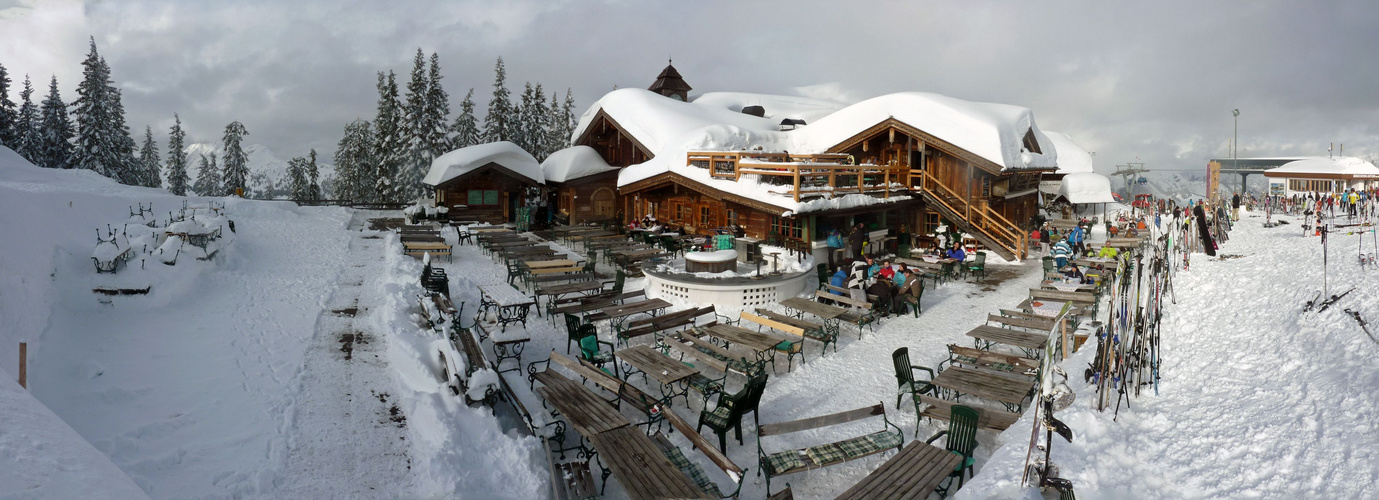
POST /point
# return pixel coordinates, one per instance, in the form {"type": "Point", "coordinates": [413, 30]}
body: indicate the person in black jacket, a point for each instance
{"type": "Point", "coordinates": [1235, 206]}
{"type": "Point", "coordinates": [856, 240]}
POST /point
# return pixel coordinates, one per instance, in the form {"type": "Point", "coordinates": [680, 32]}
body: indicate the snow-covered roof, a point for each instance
{"type": "Point", "coordinates": [1086, 187]}
{"type": "Point", "coordinates": [573, 163]}
{"type": "Point", "coordinates": [465, 160]}
{"type": "Point", "coordinates": [1340, 165]}
{"type": "Point", "coordinates": [1071, 157]}
{"type": "Point", "coordinates": [669, 129]}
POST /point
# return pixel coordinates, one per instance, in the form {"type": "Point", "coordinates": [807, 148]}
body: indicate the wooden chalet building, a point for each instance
{"type": "Point", "coordinates": [585, 186]}
{"type": "Point", "coordinates": [485, 183]}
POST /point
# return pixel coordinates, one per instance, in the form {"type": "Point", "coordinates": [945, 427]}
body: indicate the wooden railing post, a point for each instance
{"type": "Point", "coordinates": [24, 365]}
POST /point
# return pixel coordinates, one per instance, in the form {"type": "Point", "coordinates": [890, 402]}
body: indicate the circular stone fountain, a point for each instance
{"type": "Point", "coordinates": [711, 262]}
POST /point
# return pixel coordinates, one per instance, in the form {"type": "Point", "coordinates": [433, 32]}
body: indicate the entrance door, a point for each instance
{"type": "Point", "coordinates": [603, 203]}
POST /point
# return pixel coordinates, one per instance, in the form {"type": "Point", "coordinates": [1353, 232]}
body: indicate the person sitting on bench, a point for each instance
{"type": "Point", "coordinates": [1074, 274]}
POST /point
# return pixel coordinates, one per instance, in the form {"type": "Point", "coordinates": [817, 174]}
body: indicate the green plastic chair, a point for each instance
{"type": "Point", "coordinates": [572, 324]}
{"type": "Point", "coordinates": [962, 440]}
{"type": "Point", "coordinates": [979, 266]}
{"type": "Point", "coordinates": [1048, 264]}
{"type": "Point", "coordinates": [905, 378]}
{"type": "Point", "coordinates": [589, 349]}
{"type": "Point", "coordinates": [822, 269]}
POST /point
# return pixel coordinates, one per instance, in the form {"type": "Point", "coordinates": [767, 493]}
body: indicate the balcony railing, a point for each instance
{"type": "Point", "coordinates": [807, 174]}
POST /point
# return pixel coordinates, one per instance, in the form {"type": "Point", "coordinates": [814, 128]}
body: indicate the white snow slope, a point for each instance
{"type": "Point", "coordinates": [1257, 399]}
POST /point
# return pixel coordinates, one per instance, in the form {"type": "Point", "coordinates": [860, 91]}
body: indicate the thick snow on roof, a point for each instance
{"type": "Point", "coordinates": [572, 163]}
{"type": "Point", "coordinates": [1071, 157]}
{"type": "Point", "coordinates": [465, 160]}
{"type": "Point", "coordinates": [777, 107]}
{"type": "Point", "coordinates": [1344, 165]}
{"type": "Point", "coordinates": [1086, 187]}
{"type": "Point", "coordinates": [992, 131]}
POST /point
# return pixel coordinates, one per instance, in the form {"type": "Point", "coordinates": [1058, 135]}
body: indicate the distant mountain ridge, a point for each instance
{"type": "Point", "coordinates": [267, 171]}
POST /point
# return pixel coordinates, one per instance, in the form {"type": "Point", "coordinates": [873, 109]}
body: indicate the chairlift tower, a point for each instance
{"type": "Point", "coordinates": [1131, 172]}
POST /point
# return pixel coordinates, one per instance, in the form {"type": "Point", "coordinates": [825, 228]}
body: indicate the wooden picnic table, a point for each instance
{"type": "Point", "coordinates": [1028, 341]}
{"type": "Point", "coordinates": [422, 238]}
{"type": "Point", "coordinates": [557, 270]}
{"type": "Point", "coordinates": [581, 236]}
{"type": "Point", "coordinates": [1067, 287]}
{"type": "Point", "coordinates": [527, 252]}
{"type": "Point", "coordinates": [555, 291]}
{"type": "Point", "coordinates": [672, 374]}
{"type": "Point", "coordinates": [911, 474]}
{"type": "Point", "coordinates": [641, 466]}
{"type": "Point", "coordinates": [756, 341]}
{"type": "Point", "coordinates": [618, 313]}
{"type": "Point", "coordinates": [543, 264]}
{"type": "Point", "coordinates": [1009, 391]}
{"type": "Point", "coordinates": [587, 412]}
{"type": "Point", "coordinates": [520, 242]}
{"type": "Point", "coordinates": [512, 305]}
{"type": "Point", "coordinates": [819, 309]}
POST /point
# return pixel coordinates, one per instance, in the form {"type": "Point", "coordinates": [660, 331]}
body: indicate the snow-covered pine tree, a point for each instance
{"type": "Point", "coordinates": [130, 171]}
{"type": "Point", "coordinates": [26, 130]}
{"type": "Point", "coordinates": [236, 175]}
{"type": "Point", "coordinates": [567, 110]}
{"type": "Point", "coordinates": [414, 131]}
{"type": "Point", "coordinates": [102, 144]}
{"type": "Point", "coordinates": [388, 147]}
{"type": "Point", "coordinates": [55, 147]}
{"type": "Point", "coordinates": [207, 177]}
{"type": "Point", "coordinates": [554, 125]}
{"type": "Point", "coordinates": [297, 184]}
{"type": "Point", "coordinates": [498, 120]}
{"type": "Point", "coordinates": [177, 158]}
{"type": "Point", "coordinates": [148, 158]}
{"type": "Point", "coordinates": [353, 158]}
{"type": "Point", "coordinates": [522, 134]}
{"type": "Point", "coordinates": [537, 129]}
{"type": "Point", "coordinates": [465, 130]}
{"type": "Point", "coordinates": [7, 111]}
{"type": "Point", "coordinates": [313, 175]}
{"type": "Point", "coordinates": [436, 116]}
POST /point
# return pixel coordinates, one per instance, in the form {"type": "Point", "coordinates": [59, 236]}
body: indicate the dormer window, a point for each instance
{"type": "Point", "coordinates": [1030, 143]}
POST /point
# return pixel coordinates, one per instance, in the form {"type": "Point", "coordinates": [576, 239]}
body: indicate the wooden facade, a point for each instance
{"type": "Point", "coordinates": [490, 193]}
{"type": "Point", "coordinates": [593, 197]}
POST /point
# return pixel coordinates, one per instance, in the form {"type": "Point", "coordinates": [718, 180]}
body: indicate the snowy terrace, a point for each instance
{"type": "Point", "coordinates": [802, 176]}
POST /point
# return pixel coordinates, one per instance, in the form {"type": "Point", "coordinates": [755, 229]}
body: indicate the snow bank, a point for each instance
{"type": "Point", "coordinates": [1086, 187]}
{"type": "Point", "coordinates": [1072, 158]}
{"type": "Point", "coordinates": [465, 160]}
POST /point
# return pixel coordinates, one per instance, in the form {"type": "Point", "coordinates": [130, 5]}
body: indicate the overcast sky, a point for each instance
{"type": "Point", "coordinates": [1132, 81]}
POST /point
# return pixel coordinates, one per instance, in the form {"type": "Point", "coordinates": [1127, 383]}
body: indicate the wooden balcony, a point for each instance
{"type": "Point", "coordinates": [807, 175]}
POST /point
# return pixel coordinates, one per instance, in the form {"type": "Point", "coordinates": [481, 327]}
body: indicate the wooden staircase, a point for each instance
{"type": "Point", "coordinates": [988, 226]}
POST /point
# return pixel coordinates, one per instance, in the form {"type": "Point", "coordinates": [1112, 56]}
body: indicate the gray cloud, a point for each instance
{"type": "Point", "coordinates": [1153, 80]}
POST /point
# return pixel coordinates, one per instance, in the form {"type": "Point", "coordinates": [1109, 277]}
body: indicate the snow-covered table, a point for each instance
{"type": "Point", "coordinates": [511, 305]}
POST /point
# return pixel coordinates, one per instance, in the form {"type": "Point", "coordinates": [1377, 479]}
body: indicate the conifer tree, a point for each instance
{"type": "Point", "coordinates": [236, 175]}
{"type": "Point", "coordinates": [539, 137]}
{"type": "Point", "coordinates": [567, 110]}
{"type": "Point", "coordinates": [436, 115]}
{"type": "Point", "coordinates": [207, 177]}
{"type": "Point", "coordinates": [465, 131]}
{"type": "Point", "coordinates": [497, 122]}
{"type": "Point", "coordinates": [313, 175]}
{"type": "Point", "coordinates": [103, 143]}
{"type": "Point", "coordinates": [129, 170]}
{"type": "Point", "coordinates": [177, 158]}
{"type": "Point", "coordinates": [26, 125]}
{"type": "Point", "coordinates": [554, 121]}
{"type": "Point", "coordinates": [297, 184]}
{"type": "Point", "coordinates": [388, 146]}
{"type": "Point", "coordinates": [7, 111]}
{"type": "Point", "coordinates": [148, 158]}
{"type": "Point", "coordinates": [415, 130]}
{"type": "Point", "coordinates": [522, 133]}
{"type": "Point", "coordinates": [353, 158]}
{"type": "Point", "coordinates": [55, 147]}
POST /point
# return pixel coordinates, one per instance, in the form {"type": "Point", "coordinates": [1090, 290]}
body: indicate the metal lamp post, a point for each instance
{"type": "Point", "coordinates": [1235, 146]}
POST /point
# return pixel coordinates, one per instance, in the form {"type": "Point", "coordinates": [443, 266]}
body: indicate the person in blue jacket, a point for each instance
{"type": "Point", "coordinates": [1075, 237]}
{"type": "Point", "coordinates": [837, 280]}
{"type": "Point", "coordinates": [957, 253]}
{"type": "Point", "coordinates": [1060, 252]}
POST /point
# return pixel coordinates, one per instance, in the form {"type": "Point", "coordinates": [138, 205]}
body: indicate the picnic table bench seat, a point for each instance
{"type": "Point", "coordinates": [588, 303]}
{"type": "Point", "coordinates": [862, 319]}
{"type": "Point", "coordinates": [418, 249]}
{"type": "Point", "coordinates": [1037, 323]}
{"type": "Point", "coordinates": [693, 470]}
{"type": "Point", "coordinates": [790, 348]}
{"type": "Point", "coordinates": [987, 360]}
{"type": "Point", "coordinates": [665, 322]}
{"type": "Point", "coordinates": [714, 356]}
{"type": "Point", "coordinates": [779, 463]}
{"type": "Point", "coordinates": [941, 409]}
{"type": "Point", "coordinates": [811, 330]}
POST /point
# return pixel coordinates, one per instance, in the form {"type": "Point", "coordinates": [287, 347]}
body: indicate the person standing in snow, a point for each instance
{"type": "Point", "coordinates": [857, 240]}
{"type": "Point", "coordinates": [1061, 251]}
{"type": "Point", "coordinates": [857, 280]}
{"type": "Point", "coordinates": [1235, 206]}
{"type": "Point", "coordinates": [1075, 237]}
{"type": "Point", "coordinates": [1045, 238]}
{"type": "Point", "coordinates": [839, 279]}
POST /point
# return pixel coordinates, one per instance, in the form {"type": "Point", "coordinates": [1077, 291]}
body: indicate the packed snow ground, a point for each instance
{"type": "Point", "coordinates": [1257, 399]}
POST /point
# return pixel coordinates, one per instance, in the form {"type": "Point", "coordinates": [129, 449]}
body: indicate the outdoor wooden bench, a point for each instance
{"type": "Point", "coordinates": [436, 308]}
{"type": "Point", "coordinates": [716, 357]}
{"type": "Point", "coordinates": [941, 409]}
{"type": "Point", "coordinates": [790, 348]}
{"type": "Point", "coordinates": [1039, 324]}
{"type": "Point", "coordinates": [572, 480]}
{"type": "Point", "coordinates": [590, 303]}
{"type": "Point", "coordinates": [911, 474]}
{"type": "Point", "coordinates": [860, 319]}
{"type": "Point", "coordinates": [790, 461]}
{"type": "Point", "coordinates": [992, 361]}
{"type": "Point", "coordinates": [649, 406]}
{"type": "Point", "coordinates": [555, 278]}
{"type": "Point", "coordinates": [417, 249]}
{"type": "Point", "coordinates": [845, 292]}
{"type": "Point", "coordinates": [463, 340]}
{"type": "Point", "coordinates": [811, 330]}
{"type": "Point", "coordinates": [691, 469]}
{"type": "Point", "coordinates": [664, 322]}
{"type": "Point", "coordinates": [986, 335]}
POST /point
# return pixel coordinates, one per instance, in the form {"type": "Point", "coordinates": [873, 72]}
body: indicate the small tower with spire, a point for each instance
{"type": "Point", "coordinates": [670, 84]}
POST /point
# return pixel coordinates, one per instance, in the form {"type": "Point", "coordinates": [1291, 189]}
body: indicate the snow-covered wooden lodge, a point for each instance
{"type": "Point", "coordinates": [793, 168]}
{"type": "Point", "coordinates": [1322, 175]}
